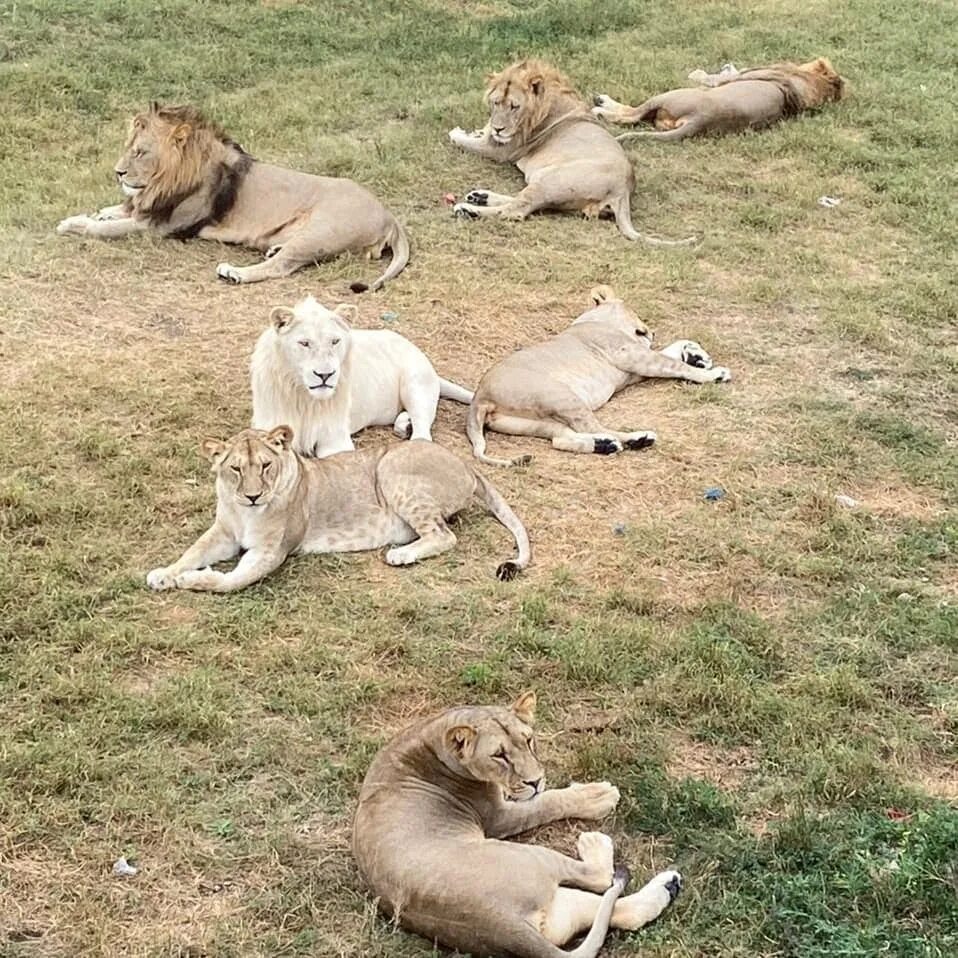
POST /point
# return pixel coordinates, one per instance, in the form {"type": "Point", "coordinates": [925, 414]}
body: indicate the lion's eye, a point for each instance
{"type": "Point", "coordinates": [336, 342]}
{"type": "Point", "coordinates": [235, 469]}
{"type": "Point", "coordinates": [266, 466]}
{"type": "Point", "coordinates": [513, 106]}
{"type": "Point", "coordinates": [304, 343]}
{"type": "Point", "coordinates": [500, 755]}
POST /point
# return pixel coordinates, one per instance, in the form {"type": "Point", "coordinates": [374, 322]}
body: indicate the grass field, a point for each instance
{"type": "Point", "coordinates": [769, 679]}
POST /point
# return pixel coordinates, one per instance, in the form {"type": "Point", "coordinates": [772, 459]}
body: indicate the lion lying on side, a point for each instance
{"type": "Point", "coordinates": [183, 177]}
{"type": "Point", "coordinates": [272, 503]}
{"type": "Point", "coordinates": [737, 101]}
{"type": "Point", "coordinates": [538, 122]}
{"type": "Point", "coordinates": [552, 389]}
{"type": "Point", "coordinates": [310, 369]}
{"type": "Point", "coordinates": [434, 807]}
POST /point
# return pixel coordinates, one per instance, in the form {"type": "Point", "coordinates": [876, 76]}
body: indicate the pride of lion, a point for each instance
{"type": "Point", "coordinates": [441, 800]}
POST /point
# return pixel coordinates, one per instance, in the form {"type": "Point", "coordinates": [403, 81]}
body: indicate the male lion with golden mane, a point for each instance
{"type": "Point", "coordinates": [736, 101]}
{"type": "Point", "coordinates": [434, 809]}
{"type": "Point", "coordinates": [183, 177]}
{"type": "Point", "coordinates": [539, 122]}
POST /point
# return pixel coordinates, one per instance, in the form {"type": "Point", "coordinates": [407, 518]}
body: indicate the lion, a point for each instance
{"type": "Point", "coordinates": [272, 503]}
{"type": "Point", "coordinates": [310, 369]}
{"type": "Point", "coordinates": [540, 123]}
{"type": "Point", "coordinates": [183, 177]}
{"type": "Point", "coordinates": [552, 389]}
{"type": "Point", "coordinates": [736, 101]}
{"type": "Point", "coordinates": [428, 834]}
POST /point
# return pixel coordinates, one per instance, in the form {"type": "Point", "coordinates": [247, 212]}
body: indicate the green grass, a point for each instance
{"type": "Point", "coordinates": [772, 677]}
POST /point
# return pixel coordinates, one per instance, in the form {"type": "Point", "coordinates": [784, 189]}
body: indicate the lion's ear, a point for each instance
{"type": "Point", "coordinates": [280, 437]}
{"type": "Point", "coordinates": [181, 133]}
{"type": "Point", "coordinates": [154, 106]}
{"type": "Point", "coordinates": [281, 317]}
{"type": "Point", "coordinates": [537, 84]}
{"type": "Point", "coordinates": [213, 450]}
{"type": "Point", "coordinates": [347, 312]}
{"type": "Point", "coordinates": [460, 740]}
{"type": "Point", "coordinates": [601, 294]}
{"type": "Point", "coordinates": [525, 707]}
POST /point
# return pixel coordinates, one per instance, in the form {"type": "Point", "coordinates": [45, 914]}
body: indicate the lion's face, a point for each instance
{"type": "Point", "coordinates": [252, 466]}
{"type": "Point", "coordinates": [141, 159]}
{"type": "Point", "coordinates": [519, 99]}
{"type": "Point", "coordinates": [496, 745]}
{"type": "Point", "coordinates": [830, 86]}
{"type": "Point", "coordinates": [606, 305]}
{"type": "Point", "coordinates": [314, 341]}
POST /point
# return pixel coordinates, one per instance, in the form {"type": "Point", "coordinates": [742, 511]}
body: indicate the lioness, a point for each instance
{"type": "Point", "coordinates": [312, 370]}
{"type": "Point", "coordinates": [272, 503]}
{"type": "Point", "coordinates": [538, 122]}
{"type": "Point", "coordinates": [184, 177]}
{"type": "Point", "coordinates": [552, 389]}
{"type": "Point", "coordinates": [737, 101]}
{"type": "Point", "coordinates": [437, 802]}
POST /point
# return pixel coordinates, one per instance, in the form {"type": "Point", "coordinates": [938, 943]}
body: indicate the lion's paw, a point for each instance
{"type": "Point", "coordinates": [606, 446]}
{"type": "Point", "coordinates": [402, 427]}
{"type": "Point", "coordinates": [593, 800]}
{"type": "Point", "coordinates": [640, 440]}
{"type": "Point", "coordinates": [74, 224]}
{"type": "Point", "coordinates": [161, 579]}
{"type": "Point", "coordinates": [464, 211]}
{"type": "Point", "coordinates": [230, 273]}
{"type": "Point", "coordinates": [400, 555]}
{"type": "Point", "coordinates": [478, 197]}
{"type": "Point", "coordinates": [721, 375]}
{"type": "Point", "coordinates": [200, 580]}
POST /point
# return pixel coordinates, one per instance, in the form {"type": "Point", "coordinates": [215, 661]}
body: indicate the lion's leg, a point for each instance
{"type": "Point", "coordinates": [483, 197]}
{"type": "Point", "coordinates": [285, 261]}
{"type": "Point", "coordinates": [118, 212]}
{"type": "Point", "coordinates": [420, 511]}
{"type": "Point", "coordinates": [255, 565]}
{"type": "Point", "coordinates": [524, 203]}
{"type": "Point", "coordinates": [419, 395]}
{"type": "Point", "coordinates": [100, 229]}
{"type": "Point", "coordinates": [585, 428]}
{"type": "Point", "coordinates": [589, 800]}
{"type": "Point", "coordinates": [658, 365]}
{"type": "Point", "coordinates": [217, 544]}
{"type": "Point", "coordinates": [615, 112]}
{"type": "Point", "coordinates": [572, 911]}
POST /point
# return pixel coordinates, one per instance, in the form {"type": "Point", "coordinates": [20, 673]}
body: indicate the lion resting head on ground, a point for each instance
{"type": "Point", "coordinates": [733, 101]}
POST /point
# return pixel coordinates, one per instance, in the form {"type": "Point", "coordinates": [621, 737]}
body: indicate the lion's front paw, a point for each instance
{"type": "Point", "coordinates": [78, 225]}
{"type": "Point", "coordinates": [720, 374]}
{"type": "Point", "coordinates": [478, 197]}
{"type": "Point", "coordinates": [401, 555]}
{"type": "Point", "coordinates": [200, 580]}
{"type": "Point", "coordinates": [161, 579]}
{"type": "Point", "coordinates": [464, 211]}
{"type": "Point", "coordinates": [593, 800]}
{"type": "Point", "coordinates": [230, 273]}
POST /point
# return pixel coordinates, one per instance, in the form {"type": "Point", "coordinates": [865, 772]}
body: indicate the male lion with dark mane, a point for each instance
{"type": "Point", "coordinates": [540, 123]}
{"type": "Point", "coordinates": [736, 101]}
{"type": "Point", "coordinates": [183, 177]}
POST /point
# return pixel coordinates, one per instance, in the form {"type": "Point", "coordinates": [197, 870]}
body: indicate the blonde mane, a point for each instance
{"type": "Point", "coordinates": [804, 86]}
{"type": "Point", "coordinates": [558, 96]}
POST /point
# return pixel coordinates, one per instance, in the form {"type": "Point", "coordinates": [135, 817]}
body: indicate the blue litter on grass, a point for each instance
{"type": "Point", "coordinates": [714, 493]}
{"type": "Point", "coordinates": [389, 317]}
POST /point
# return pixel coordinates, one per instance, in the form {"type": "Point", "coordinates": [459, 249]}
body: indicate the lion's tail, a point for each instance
{"type": "Point", "coordinates": [399, 244]}
{"type": "Point", "coordinates": [623, 219]}
{"type": "Point", "coordinates": [493, 501]}
{"type": "Point", "coordinates": [455, 392]}
{"type": "Point", "coordinates": [475, 429]}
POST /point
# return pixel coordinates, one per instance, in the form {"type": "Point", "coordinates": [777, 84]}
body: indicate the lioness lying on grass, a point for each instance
{"type": "Point", "coordinates": [552, 389]}
{"type": "Point", "coordinates": [272, 503]}
{"type": "Point", "coordinates": [739, 101]}
{"type": "Point", "coordinates": [434, 807]}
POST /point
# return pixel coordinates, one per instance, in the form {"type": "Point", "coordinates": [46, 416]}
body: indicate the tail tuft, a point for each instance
{"type": "Point", "coordinates": [359, 287]}
{"type": "Point", "coordinates": [507, 571]}
{"type": "Point", "coordinates": [621, 876]}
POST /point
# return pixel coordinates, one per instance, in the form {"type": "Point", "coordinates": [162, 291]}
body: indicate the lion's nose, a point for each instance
{"type": "Point", "coordinates": [120, 174]}
{"type": "Point", "coordinates": [498, 129]}
{"type": "Point", "coordinates": [323, 377]}
{"type": "Point", "coordinates": [252, 498]}
{"type": "Point", "coordinates": [534, 785]}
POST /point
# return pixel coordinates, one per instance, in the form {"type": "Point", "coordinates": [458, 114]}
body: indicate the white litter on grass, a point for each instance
{"type": "Point", "coordinates": [829, 202]}
{"type": "Point", "coordinates": [846, 502]}
{"type": "Point", "coordinates": [123, 869]}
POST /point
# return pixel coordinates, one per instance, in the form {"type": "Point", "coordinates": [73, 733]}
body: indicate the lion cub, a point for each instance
{"type": "Point", "coordinates": [552, 389]}
{"type": "Point", "coordinates": [272, 503]}
{"type": "Point", "coordinates": [434, 807]}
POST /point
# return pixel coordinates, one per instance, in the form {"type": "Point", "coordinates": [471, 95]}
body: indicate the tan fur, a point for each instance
{"type": "Point", "coordinates": [433, 810]}
{"type": "Point", "coordinates": [552, 389]}
{"type": "Point", "coordinates": [751, 99]}
{"type": "Point", "coordinates": [184, 177]}
{"type": "Point", "coordinates": [540, 123]}
{"type": "Point", "coordinates": [273, 503]}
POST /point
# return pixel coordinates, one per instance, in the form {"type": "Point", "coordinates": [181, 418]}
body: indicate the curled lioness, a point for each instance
{"type": "Point", "coordinates": [326, 380]}
{"type": "Point", "coordinates": [272, 503]}
{"type": "Point", "coordinates": [434, 807]}
{"type": "Point", "coordinates": [735, 102]}
{"type": "Point", "coordinates": [538, 122]}
{"type": "Point", "coordinates": [552, 389]}
{"type": "Point", "coordinates": [183, 177]}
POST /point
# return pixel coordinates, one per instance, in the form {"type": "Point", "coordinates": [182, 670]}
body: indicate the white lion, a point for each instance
{"type": "Point", "coordinates": [312, 371]}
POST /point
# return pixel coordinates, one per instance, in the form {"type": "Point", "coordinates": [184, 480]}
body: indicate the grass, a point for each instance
{"type": "Point", "coordinates": [769, 679]}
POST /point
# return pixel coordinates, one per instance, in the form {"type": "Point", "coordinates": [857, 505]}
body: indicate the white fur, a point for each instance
{"type": "Point", "coordinates": [378, 377]}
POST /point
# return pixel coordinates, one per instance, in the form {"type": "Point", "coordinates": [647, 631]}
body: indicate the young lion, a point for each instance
{"type": "Point", "coordinates": [552, 389]}
{"type": "Point", "coordinates": [437, 802]}
{"type": "Point", "coordinates": [184, 177]}
{"type": "Point", "coordinates": [538, 122]}
{"type": "Point", "coordinates": [328, 381]}
{"type": "Point", "coordinates": [273, 503]}
{"type": "Point", "coordinates": [737, 101]}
